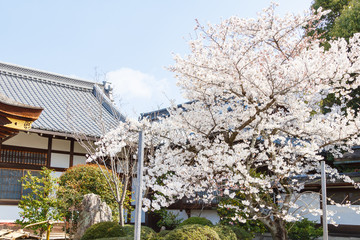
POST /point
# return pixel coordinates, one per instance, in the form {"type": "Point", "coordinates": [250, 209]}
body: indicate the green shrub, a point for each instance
{"type": "Point", "coordinates": [225, 232]}
{"type": "Point", "coordinates": [192, 232]}
{"type": "Point", "coordinates": [168, 219]}
{"type": "Point", "coordinates": [146, 232]}
{"type": "Point", "coordinates": [104, 230]}
{"type": "Point", "coordinates": [304, 229]}
{"type": "Point", "coordinates": [241, 233]}
{"type": "Point", "coordinates": [163, 233]}
{"type": "Point", "coordinates": [80, 180]}
{"type": "Point", "coordinates": [197, 220]}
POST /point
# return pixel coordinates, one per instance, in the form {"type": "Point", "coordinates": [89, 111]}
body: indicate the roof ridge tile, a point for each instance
{"type": "Point", "coordinates": [35, 74]}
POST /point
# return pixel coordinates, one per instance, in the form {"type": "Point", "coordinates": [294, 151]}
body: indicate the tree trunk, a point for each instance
{"type": "Point", "coordinates": [122, 201]}
{"type": "Point", "coordinates": [121, 215]}
{"type": "Point", "coordinates": [278, 229]}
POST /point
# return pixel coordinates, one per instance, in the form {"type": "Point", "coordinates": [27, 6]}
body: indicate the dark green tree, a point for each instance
{"type": "Point", "coordinates": [342, 21]}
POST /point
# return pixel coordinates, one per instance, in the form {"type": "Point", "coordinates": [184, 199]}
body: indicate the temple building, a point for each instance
{"type": "Point", "coordinates": [42, 115]}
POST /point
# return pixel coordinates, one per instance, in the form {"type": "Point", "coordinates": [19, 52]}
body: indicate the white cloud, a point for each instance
{"type": "Point", "coordinates": [131, 83]}
{"type": "Point", "coordinates": [140, 92]}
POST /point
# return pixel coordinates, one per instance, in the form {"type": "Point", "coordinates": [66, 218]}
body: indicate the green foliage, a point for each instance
{"type": "Point", "coordinates": [146, 232]}
{"type": "Point", "coordinates": [304, 229]}
{"type": "Point", "coordinates": [336, 7]}
{"type": "Point", "coordinates": [342, 21]}
{"type": "Point", "coordinates": [192, 232]}
{"type": "Point", "coordinates": [225, 232]}
{"type": "Point", "coordinates": [241, 233]}
{"type": "Point", "coordinates": [38, 202]}
{"type": "Point", "coordinates": [168, 219]}
{"type": "Point", "coordinates": [163, 233]}
{"type": "Point", "coordinates": [196, 220]}
{"type": "Point", "coordinates": [348, 22]}
{"type": "Point", "coordinates": [104, 230]}
{"type": "Point", "coordinates": [83, 179]}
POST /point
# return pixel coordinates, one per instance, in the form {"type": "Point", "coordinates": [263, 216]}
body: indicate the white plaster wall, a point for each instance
{"type": "Point", "coordinates": [78, 148]}
{"type": "Point", "coordinates": [60, 160]}
{"type": "Point", "coordinates": [344, 215]}
{"type": "Point", "coordinates": [31, 140]}
{"type": "Point", "coordinates": [181, 214]}
{"type": "Point", "coordinates": [9, 213]}
{"type": "Point", "coordinates": [208, 214]}
{"type": "Point", "coordinates": [61, 145]}
{"type": "Point", "coordinates": [79, 160]}
{"type": "Point", "coordinates": [306, 201]}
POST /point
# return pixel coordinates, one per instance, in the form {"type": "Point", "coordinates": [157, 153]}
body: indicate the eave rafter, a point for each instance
{"type": "Point", "coordinates": [15, 116]}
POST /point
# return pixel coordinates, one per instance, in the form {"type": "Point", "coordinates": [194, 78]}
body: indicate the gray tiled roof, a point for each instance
{"type": "Point", "coordinates": [8, 101]}
{"type": "Point", "coordinates": [70, 105]}
{"type": "Point", "coordinates": [163, 113]}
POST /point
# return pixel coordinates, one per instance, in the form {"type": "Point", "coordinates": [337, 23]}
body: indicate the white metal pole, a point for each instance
{"type": "Point", "coordinates": [324, 201]}
{"type": "Point", "coordinates": [138, 204]}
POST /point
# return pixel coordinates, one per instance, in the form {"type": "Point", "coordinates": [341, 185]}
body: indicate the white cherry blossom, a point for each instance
{"type": "Point", "coordinates": [255, 124]}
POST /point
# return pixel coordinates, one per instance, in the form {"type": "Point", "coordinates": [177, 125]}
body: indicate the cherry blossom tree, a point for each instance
{"type": "Point", "coordinates": [256, 122]}
{"type": "Point", "coordinates": [117, 150]}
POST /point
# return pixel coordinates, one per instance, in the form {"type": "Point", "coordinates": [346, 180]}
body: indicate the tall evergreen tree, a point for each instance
{"type": "Point", "coordinates": [342, 21]}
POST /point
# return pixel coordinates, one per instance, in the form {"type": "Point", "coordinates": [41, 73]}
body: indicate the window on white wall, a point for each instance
{"type": "Point", "coordinates": [10, 184]}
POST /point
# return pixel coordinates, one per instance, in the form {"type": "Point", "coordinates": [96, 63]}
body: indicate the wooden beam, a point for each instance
{"type": "Point", "coordinates": [7, 131]}
{"type": "Point", "coordinates": [28, 149]}
{"type": "Point", "coordinates": [28, 167]}
{"type": "Point", "coordinates": [49, 152]}
{"type": "Point", "coordinates": [71, 153]}
{"type": "Point", "coordinates": [59, 134]}
{"type": "Point", "coordinates": [7, 137]}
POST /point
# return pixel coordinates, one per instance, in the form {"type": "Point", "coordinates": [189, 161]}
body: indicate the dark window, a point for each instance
{"type": "Point", "coordinates": [10, 183]}
{"type": "Point", "coordinates": [10, 186]}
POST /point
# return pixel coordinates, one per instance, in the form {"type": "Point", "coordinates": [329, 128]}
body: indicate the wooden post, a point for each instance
{"type": "Point", "coordinates": [48, 160]}
{"type": "Point", "coordinates": [71, 163]}
{"type": "Point", "coordinates": [324, 201]}
{"type": "Point", "coordinates": [138, 205]}
{"type": "Point", "coordinates": [48, 231]}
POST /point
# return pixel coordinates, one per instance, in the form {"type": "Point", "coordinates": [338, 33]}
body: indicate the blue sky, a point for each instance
{"type": "Point", "coordinates": [127, 42]}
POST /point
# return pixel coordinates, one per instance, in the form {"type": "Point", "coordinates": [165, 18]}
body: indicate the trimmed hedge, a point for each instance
{"type": "Point", "coordinates": [146, 232]}
{"type": "Point", "coordinates": [192, 232]}
{"type": "Point", "coordinates": [225, 232]}
{"type": "Point", "coordinates": [196, 220]}
{"type": "Point", "coordinates": [241, 233]}
{"type": "Point", "coordinates": [163, 233]}
{"type": "Point", "coordinates": [104, 230]}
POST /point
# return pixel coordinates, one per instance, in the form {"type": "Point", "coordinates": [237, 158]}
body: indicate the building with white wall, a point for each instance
{"type": "Point", "coordinates": [72, 108]}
